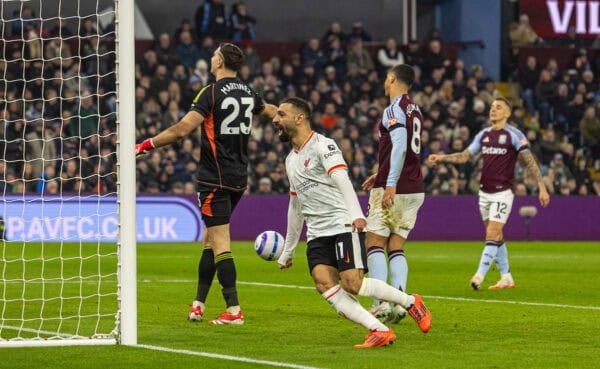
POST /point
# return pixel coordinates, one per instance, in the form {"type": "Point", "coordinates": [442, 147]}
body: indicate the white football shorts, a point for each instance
{"type": "Point", "coordinates": [496, 206]}
{"type": "Point", "coordinates": [399, 219]}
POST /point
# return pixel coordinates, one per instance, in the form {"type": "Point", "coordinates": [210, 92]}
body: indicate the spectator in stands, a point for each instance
{"type": "Point", "coordinates": [434, 58]}
{"type": "Point", "coordinates": [544, 94]}
{"type": "Point", "coordinates": [389, 55]}
{"type": "Point", "coordinates": [211, 20]}
{"type": "Point", "coordinates": [88, 27]}
{"type": "Point", "coordinates": [521, 34]}
{"type": "Point", "coordinates": [571, 39]}
{"type": "Point", "coordinates": [242, 24]}
{"type": "Point", "coordinates": [59, 29]}
{"type": "Point", "coordinates": [313, 55]}
{"type": "Point", "coordinates": [549, 146]}
{"type": "Point", "coordinates": [84, 119]}
{"type": "Point", "coordinates": [336, 57]}
{"type": "Point", "coordinates": [184, 26]}
{"type": "Point", "coordinates": [264, 186]}
{"type": "Point", "coordinates": [334, 30]}
{"type": "Point", "coordinates": [39, 147]}
{"type": "Point", "coordinates": [589, 127]}
{"type": "Point", "coordinates": [252, 60]}
{"type": "Point", "coordinates": [528, 79]}
{"type": "Point", "coordinates": [358, 57]}
{"type": "Point", "coordinates": [358, 32]}
{"type": "Point", "coordinates": [201, 72]}
{"type": "Point", "coordinates": [165, 52]}
{"type": "Point", "coordinates": [207, 48]}
{"type": "Point", "coordinates": [187, 51]}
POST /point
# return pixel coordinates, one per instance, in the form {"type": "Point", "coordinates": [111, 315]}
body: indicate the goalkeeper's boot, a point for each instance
{"type": "Point", "coordinates": [196, 312]}
{"type": "Point", "coordinates": [476, 281]}
{"type": "Point", "coordinates": [419, 312]}
{"type": "Point", "coordinates": [506, 281]}
{"type": "Point", "coordinates": [380, 310]}
{"type": "Point", "coordinates": [227, 318]}
{"type": "Point", "coordinates": [396, 314]}
{"type": "Point", "coordinates": [377, 339]}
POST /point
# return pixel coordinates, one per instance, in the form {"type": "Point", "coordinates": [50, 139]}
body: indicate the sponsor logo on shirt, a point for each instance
{"type": "Point", "coordinates": [331, 147]}
{"type": "Point", "coordinates": [493, 150]}
{"type": "Point", "coordinates": [330, 154]}
{"type": "Point", "coordinates": [486, 139]}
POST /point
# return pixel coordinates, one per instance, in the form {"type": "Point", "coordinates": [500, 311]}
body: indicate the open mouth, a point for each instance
{"type": "Point", "coordinates": [278, 129]}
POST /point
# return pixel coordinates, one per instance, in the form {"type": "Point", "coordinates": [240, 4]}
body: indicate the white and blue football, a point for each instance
{"type": "Point", "coordinates": [269, 245]}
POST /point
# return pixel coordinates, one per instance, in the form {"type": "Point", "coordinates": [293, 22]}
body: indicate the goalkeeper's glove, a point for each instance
{"type": "Point", "coordinates": [142, 148]}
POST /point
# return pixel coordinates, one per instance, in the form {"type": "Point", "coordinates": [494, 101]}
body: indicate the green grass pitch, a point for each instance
{"type": "Point", "coordinates": [550, 320]}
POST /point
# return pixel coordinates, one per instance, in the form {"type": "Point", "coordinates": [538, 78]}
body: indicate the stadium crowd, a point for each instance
{"type": "Point", "coordinates": [340, 73]}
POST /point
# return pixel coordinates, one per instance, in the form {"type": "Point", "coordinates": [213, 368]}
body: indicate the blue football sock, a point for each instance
{"type": "Point", "coordinates": [398, 269]}
{"type": "Point", "coordinates": [487, 256]}
{"type": "Point", "coordinates": [502, 259]}
{"type": "Point", "coordinates": [377, 264]}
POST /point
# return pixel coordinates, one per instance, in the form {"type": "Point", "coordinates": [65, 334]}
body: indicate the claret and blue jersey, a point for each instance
{"type": "Point", "coordinates": [400, 147]}
{"type": "Point", "coordinates": [499, 150]}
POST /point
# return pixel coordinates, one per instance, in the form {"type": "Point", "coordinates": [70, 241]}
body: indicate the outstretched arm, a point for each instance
{"type": "Point", "coordinates": [528, 162]}
{"type": "Point", "coordinates": [456, 158]}
{"type": "Point", "coordinates": [172, 134]}
{"type": "Point", "coordinates": [269, 111]}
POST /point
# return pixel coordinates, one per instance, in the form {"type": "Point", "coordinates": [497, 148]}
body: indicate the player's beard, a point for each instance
{"type": "Point", "coordinates": [282, 134]}
{"type": "Point", "coordinates": [284, 137]}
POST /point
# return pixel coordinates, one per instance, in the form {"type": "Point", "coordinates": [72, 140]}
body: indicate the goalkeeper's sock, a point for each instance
{"type": "Point", "coordinates": [227, 276]}
{"type": "Point", "coordinates": [398, 269]}
{"type": "Point", "coordinates": [206, 274]}
{"type": "Point", "coordinates": [502, 259]}
{"type": "Point", "coordinates": [487, 256]}
{"type": "Point", "coordinates": [375, 288]}
{"type": "Point", "coordinates": [347, 306]}
{"type": "Point", "coordinates": [376, 261]}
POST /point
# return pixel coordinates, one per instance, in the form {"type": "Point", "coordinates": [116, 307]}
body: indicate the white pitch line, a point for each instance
{"type": "Point", "coordinates": [227, 357]}
{"type": "Point", "coordinates": [511, 302]}
{"type": "Point", "coordinates": [582, 307]}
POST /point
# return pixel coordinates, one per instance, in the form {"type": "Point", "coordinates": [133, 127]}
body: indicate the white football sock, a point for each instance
{"type": "Point", "coordinates": [380, 290]}
{"type": "Point", "coordinates": [347, 306]}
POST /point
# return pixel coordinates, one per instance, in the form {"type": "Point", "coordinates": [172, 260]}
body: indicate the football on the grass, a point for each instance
{"type": "Point", "coordinates": [269, 245]}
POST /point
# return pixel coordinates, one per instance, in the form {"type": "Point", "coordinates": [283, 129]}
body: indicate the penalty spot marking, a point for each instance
{"type": "Point", "coordinates": [227, 357]}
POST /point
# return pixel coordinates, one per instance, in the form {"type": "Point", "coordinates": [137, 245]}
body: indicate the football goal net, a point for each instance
{"type": "Point", "coordinates": [67, 173]}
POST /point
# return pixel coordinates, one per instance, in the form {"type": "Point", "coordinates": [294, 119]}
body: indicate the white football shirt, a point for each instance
{"type": "Point", "coordinates": [322, 203]}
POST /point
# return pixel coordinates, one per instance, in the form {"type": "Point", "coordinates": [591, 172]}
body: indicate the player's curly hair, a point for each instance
{"type": "Point", "coordinates": [404, 73]}
{"type": "Point", "coordinates": [233, 57]}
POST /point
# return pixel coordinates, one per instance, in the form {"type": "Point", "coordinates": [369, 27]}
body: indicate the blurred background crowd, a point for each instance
{"type": "Point", "coordinates": [339, 71]}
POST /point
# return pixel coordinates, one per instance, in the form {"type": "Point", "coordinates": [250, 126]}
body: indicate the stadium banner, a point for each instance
{"type": "Point", "coordinates": [447, 218]}
{"type": "Point", "coordinates": [94, 219]}
{"type": "Point", "coordinates": [552, 18]}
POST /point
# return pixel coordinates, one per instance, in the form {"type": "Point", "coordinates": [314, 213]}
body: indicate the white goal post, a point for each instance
{"type": "Point", "coordinates": [67, 173]}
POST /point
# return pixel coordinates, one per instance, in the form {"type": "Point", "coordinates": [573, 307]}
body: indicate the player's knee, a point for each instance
{"type": "Point", "coordinates": [493, 233]}
{"type": "Point", "coordinates": [351, 284]}
{"type": "Point", "coordinates": [324, 286]}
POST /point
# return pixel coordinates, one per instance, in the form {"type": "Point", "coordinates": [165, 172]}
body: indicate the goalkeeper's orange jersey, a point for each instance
{"type": "Point", "coordinates": [228, 107]}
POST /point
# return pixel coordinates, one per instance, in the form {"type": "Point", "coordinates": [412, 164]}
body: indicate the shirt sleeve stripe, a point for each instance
{"type": "Point", "coordinates": [200, 93]}
{"type": "Point", "coordinates": [337, 167]}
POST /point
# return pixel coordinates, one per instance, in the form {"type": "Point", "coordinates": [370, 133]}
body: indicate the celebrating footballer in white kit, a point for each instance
{"type": "Point", "coordinates": [321, 193]}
